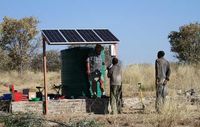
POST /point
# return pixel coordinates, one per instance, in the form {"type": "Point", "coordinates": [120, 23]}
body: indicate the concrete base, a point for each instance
{"type": "Point", "coordinates": [97, 106]}
{"type": "Point", "coordinates": [66, 106]}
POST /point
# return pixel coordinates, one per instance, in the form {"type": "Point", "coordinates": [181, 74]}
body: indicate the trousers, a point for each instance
{"type": "Point", "coordinates": [161, 93]}
{"type": "Point", "coordinates": [116, 98]}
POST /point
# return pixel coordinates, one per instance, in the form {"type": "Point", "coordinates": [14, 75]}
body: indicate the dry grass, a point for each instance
{"type": "Point", "coordinates": [183, 77]}
{"type": "Point", "coordinates": [137, 73]}
{"type": "Point", "coordinates": [176, 112]}
{"type": "Point", "coordinates": [27, 80]}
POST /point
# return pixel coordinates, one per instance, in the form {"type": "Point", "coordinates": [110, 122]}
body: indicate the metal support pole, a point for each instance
{"type": "Point", "coordinates": [45, 78]}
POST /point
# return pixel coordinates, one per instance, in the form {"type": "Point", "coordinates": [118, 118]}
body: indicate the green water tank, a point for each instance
{"type": "Point", "coordinates": [73, 72]}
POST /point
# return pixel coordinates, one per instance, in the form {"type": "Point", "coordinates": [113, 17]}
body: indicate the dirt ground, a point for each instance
{"type": "Point", "coordinates": [177, 113]}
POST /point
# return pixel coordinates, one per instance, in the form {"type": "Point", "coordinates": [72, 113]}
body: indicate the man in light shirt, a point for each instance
{"type": "Point", "coordinates": [115, 75]}
{"type": "Point", "coordinates": [94, 66]}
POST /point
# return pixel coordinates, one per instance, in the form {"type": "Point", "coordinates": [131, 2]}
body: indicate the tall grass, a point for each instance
{"type": "Point", "coordinates": [173, 114]}
{"type": "Point", "coordinates": [137, 73]}
{"type": "Point", "coordinates": [182, 77]}
{"type": "Point", "coordinates": [27, 80]}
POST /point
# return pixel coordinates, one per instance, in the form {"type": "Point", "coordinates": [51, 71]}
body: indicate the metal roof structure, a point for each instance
{"type": "Point", "coordinates": [79, 36]}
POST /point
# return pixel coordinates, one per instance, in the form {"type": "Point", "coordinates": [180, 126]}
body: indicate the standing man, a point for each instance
{"type": "Point", "coordinates": [94, 66]}
{"type": "Point", "coordinates": [115, 75]}
{"type": "Point", "coordinates": [162, 74]}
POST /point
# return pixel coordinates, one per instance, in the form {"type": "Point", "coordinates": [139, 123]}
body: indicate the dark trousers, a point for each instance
{"type": "Point", "coordinates": [161, 92]}
{"type": "Point", "coordinates": [116, 98]}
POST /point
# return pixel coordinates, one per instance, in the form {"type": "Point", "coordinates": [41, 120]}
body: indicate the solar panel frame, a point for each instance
{"type": "Point", "coordinates": [53, 36]}
{"type": "Point", "coordinates": [81, 37]}
{"type": "Point", "coordinates": [89, 35]}
{"type": "Point", "coordinates": [105, 35]}
{"type": "Point", "coordinates": [72, 36]}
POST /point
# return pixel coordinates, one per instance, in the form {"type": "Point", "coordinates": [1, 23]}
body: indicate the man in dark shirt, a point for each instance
{"type": "Point", "coordinates": [162, 74]}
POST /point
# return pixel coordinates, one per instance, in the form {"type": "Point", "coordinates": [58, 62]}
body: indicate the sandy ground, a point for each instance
{"type": "Point", "coordinates": [177, 113]}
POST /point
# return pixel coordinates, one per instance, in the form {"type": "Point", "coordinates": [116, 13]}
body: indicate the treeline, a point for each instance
{"type": "Point", "coordinates": [35, 64]}
{"type": "Point", "coordinates": [53, 61]}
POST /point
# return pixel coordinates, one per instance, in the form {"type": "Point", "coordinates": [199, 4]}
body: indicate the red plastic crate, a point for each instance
{"type": "Point", "coordinates": [17, 96]}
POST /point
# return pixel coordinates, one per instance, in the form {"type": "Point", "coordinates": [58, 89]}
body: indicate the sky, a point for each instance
{"type": "Point", "coordinates": [142, 26]}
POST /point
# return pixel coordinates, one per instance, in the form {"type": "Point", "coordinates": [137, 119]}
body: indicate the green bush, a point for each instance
{"type": "Point", "coordinates": [22, 120]}
{"type": "Point", "coordinates": [86, 123]}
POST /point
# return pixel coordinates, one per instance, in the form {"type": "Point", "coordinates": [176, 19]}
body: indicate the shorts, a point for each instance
{"type": "Point", "coordinates": [96, 76]}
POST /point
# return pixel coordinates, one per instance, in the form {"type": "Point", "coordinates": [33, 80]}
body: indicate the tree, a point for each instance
{"type": "Point", "coordinates": [5, 60]}
{"type": "Point", "coordinates": [53, 61]}
{"type": "Point", "coordinates": [186, 43]}
{"type": "Point", "coordinates": [18, 40]}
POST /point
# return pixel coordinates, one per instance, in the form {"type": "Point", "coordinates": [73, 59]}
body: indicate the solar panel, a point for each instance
{"type": "Point", "coordinates": [71, 36]}
{"type": "Point", "coordinates": [80, 36]}
{"type": "Point", "coordinates": [89, 35]}
{"type": "Point", "coordinates": [106, 35]}
{"type": "Point", "coordinates": [53, 36]}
